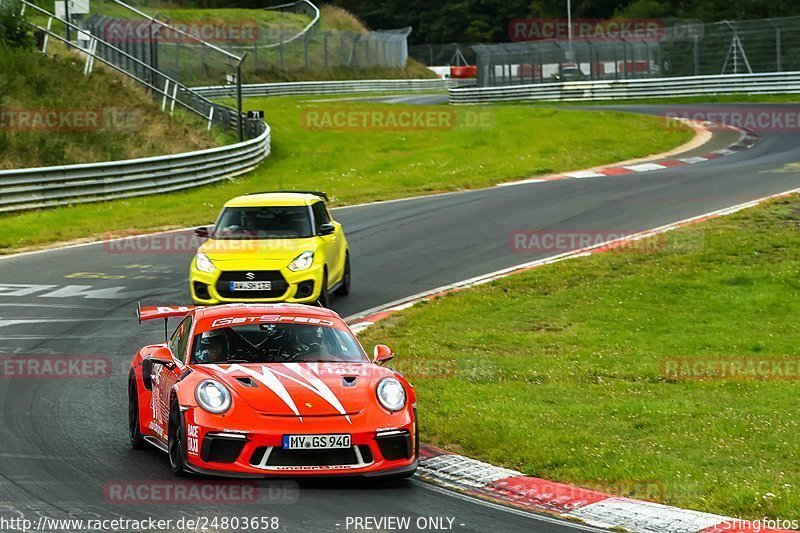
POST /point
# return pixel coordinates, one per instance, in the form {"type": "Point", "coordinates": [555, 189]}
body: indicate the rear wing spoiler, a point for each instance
{"type": "Point", "coordinates": [315, 193]}
{"type": "Point", "coordinates": [153, 312]}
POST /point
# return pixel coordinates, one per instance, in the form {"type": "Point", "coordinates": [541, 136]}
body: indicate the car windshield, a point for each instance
{"type": "Point", "coordinates": [290, 222]}
{"type": "Point", "coordinates": [276, 343]}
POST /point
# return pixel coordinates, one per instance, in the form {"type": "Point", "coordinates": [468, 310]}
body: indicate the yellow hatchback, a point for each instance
{"type": "Point", "coordinates": [280, 246]}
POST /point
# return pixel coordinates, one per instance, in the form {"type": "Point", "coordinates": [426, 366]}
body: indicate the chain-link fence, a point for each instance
{"type": "Point", "coordinates": [316, 50]}
{"type": "Point", "coordinates": [768, 45]}
{"type": "Point", "coordinates": [287, 37]}
{"type": "Point", "coordinates": [130, 49]}
{"type": "Point", "coordinates": [440, 55]}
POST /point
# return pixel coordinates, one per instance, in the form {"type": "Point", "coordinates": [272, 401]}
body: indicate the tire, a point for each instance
{"type": "Point", "coordinates": [324, 297]}
{"type": "Point", "coordinates": [134, 432]}
{"type": "Point", "coordinates": [344, 288]}
{"type": "Point", "coordinates": [176, 441]}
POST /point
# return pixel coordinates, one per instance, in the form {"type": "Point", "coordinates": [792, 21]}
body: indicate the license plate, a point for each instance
{"type": "Point", "coordinates": [251, 285]}
{"type": "Point", "coordinates": [315, 442]}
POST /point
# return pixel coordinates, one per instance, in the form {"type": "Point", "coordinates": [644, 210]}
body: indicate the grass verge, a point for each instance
{"type": "Point", "coordinates": [562, 372]}
{"type": "Point", "coordinates": [358, 165]}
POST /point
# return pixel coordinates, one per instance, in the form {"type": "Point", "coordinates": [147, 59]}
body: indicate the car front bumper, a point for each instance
{"type": "Point", "coordinates": [217, 448]}
{"type": "Point", "coordinates": [294, 287]}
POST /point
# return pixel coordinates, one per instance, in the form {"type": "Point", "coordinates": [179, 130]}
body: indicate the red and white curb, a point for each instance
{"type": "Point", "coordinates": [514, 488]}
{"type": "Point", "coordinates": [591, 507]}
{"type": "Point", "coordinates": [747, 139]}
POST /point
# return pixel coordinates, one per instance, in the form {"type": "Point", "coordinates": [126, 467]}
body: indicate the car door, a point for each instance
{"type": "Point", "coordinates": [164, 377]}
{"type": "Point", "coordinates": [332, 245]}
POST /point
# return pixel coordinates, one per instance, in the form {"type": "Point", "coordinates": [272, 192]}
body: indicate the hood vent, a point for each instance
{"type": "Point", "coordinates": [349, 381]}
{"type": "Point", "coordinates": [246, 381]}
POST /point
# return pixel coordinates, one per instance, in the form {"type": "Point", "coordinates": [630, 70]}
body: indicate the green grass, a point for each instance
{"type": "Point", "coordinates": [557, 371]}
{"type": "Point", "coordinates": [129, 123]}
{"type": "Point", "coordinates": [264, 18]}
{"type": "Point", "coordinates": [365, 165]}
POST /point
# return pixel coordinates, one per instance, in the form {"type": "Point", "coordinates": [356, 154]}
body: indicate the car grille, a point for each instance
{"type": "Point", "coordinates": [279, 284]}
{"type": "Point", "coordinates": [266, 457]}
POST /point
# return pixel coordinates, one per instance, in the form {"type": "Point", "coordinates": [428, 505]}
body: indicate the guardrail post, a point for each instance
{"type": "Point", "coordinates": [305, 49]}
{"type": "Point", "coordinates": [210, 118]}
{"type": "Point", "coordinates": [164, 99]}
{"type": "Point", "coordinates": [174, 94]}
{"type": "Point", "coordinates": [46, 33]}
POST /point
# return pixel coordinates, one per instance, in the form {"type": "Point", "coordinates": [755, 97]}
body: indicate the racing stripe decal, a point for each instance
{"type": "Point", "coordinates": [268, 379]}
{"type": "Point", "coordinates": [315, 385]}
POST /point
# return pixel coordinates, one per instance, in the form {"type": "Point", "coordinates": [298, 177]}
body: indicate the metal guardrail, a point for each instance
{"type": "Point", "coordinates": [328, 87]}
{"type": "Point", "coordinates": [307, 6]}
{"type": "Point", "coordinates": [772, 83]}
{"type": "Point", "coordinates": [32, 188]}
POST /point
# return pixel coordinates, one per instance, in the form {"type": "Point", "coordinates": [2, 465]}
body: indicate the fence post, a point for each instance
{"type": "Point", "coordinates": [305, 49]}
{"type": "Point", "coordinates": [325, 47]}
{"type": "Point", "coordinates": [280, 49]}
{"type": "Point", "coordinates": [174, 95]}
{"type": "Point", "coordinates": [164, 99]}
{"type": "Point", "coordinates": [696, 55]}
{"type": "Point", "coordinates": [46, 34]}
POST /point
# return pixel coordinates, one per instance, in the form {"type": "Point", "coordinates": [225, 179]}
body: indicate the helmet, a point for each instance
{"type": "Point", "coordinates": [308, 339]}
{"type": "Point", "coordinates": [213, 347]}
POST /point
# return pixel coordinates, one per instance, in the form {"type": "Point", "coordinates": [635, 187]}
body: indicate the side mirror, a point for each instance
{"type": "Point", "coordinates": [327, 229]}
{"type": "Point", "coordinates": [202, 233]}
{"type": "Point", "coordinates": [161, 356]}
{"type": "Point", "coordinates": [382, 354]}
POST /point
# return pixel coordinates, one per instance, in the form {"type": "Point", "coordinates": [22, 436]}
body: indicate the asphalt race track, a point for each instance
{"type": "Point", "coordinates": [64, 441]}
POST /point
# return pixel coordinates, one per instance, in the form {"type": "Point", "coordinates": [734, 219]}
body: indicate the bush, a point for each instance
{"type": "Point", "coordinates": [13, 28]}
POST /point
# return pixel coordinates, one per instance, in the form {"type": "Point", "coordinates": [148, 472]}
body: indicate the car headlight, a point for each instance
{"type": "Point", "coordinates": [391, 394]}
{"type": "Point", "coordinates": [302, 262]}
{"type": "Point", "coordinates": [213, 397]}
{"type": "Point", "coordinates": [203, 263]}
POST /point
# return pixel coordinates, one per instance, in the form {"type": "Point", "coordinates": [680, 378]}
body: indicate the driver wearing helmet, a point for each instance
{"type": "Point", "coordinates": [308, 341]}
{"type": "Point", "coordinates": [213, 347]}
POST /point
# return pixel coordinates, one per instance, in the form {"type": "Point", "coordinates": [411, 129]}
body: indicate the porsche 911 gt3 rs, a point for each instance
{"type": "Point", "coordinates": [253, 390]}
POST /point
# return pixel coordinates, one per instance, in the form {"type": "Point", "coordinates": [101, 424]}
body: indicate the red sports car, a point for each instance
{"type": "Point", "coordinates": [274, 389]}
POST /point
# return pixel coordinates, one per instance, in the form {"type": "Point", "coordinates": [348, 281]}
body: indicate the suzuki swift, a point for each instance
{"type": "Point", "coordinates": [281, 246]}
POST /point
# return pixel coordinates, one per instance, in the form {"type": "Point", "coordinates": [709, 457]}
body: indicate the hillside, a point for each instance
{"type": "Point", "coordinates": [100, 118]}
